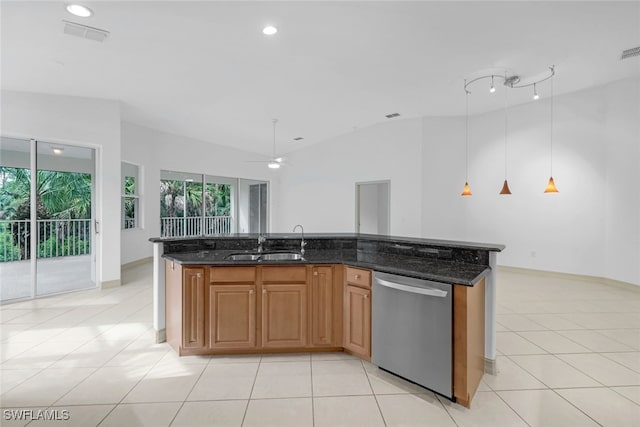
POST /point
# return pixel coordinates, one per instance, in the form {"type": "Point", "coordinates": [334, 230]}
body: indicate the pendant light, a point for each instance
{"type": "Point", "coordinates": [551, 186]}
{"type": "Point", "coordinates": [505, 186]}
{"type": "Point", "coordinates": [466, 191]}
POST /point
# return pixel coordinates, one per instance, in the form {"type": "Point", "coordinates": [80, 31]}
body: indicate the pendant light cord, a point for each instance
{"type": "Point", "coordinates": [551, 124]}
{"type": "Point", "coordinates": [466, 126]}
{"type": "Point", "coordinates": [506, 120]}
{"type": "Point", "coordinates": [274, 137]}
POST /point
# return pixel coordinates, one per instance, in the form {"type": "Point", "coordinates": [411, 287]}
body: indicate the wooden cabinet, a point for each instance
{"type": "Point", "coordinates": [357, 312]}
{"type": "Point", "coordinates": [468, 341]}
{"type": "Point", "coordinates": [284, 306]}
{"type": "Point", "coordinates": [284, 315]}
{"type": "Point", "coordinates": [322, 306]}
{"type": "Point", "coordinates": [193, 308]}
{"type": "Point", "coordinates": [232, 316]}
{"type": "Point", "coordinates": [231, 308]}
{"type": "Point", "coordinates": [185, 303]}
{"type": "Point", "coordinates": [235, 309]}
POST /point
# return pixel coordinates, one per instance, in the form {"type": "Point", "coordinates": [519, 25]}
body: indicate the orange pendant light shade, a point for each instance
{"type": "Point", "coordinates": [505, 188]}
{"type": "Point", "coordinates": [466, 191]}
{"type": "Point", "coordinates": [551, 187]}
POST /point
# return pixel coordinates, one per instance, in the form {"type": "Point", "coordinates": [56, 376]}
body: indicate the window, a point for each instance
{"type": "Point", "coordinates": [130, 196]}
{"type": "Point", "coordinates": [204, 205]}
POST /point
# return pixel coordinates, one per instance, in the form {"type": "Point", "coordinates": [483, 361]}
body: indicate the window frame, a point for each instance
{"type": "Point", "coordinates": [130, 170]}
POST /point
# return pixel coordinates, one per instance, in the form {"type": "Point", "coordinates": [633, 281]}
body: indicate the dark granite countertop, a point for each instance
{"type": "Point", "coordinates": [461, 263]}
{"type": "Point", "coordinates": [423, 268]}
{"type": "Point", "coordinates": [345, 236]}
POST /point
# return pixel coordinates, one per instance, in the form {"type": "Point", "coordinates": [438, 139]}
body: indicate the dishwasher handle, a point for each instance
{"type": "Point", "coordinates": [413, 289]}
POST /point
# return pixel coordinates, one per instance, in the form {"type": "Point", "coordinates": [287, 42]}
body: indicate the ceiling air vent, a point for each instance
{"type": "Point", "coordinates": [392, 115]}
{"type": "Point", "coordinates": [298, 138]}
{"type": "Point", "coordinates": [84, 31]}
{"type": "Point", "coordinates": [635, 51]}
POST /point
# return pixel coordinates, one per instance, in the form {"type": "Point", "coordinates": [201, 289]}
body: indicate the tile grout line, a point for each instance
{"type": "Point", "coordinates": [255, 378]}
{"type": "Point", "coordinates": [571, 403]}
{"type": "Point", "coordinates": [313, 404]}
{"type": "Point", "coordinates": [366, 374]}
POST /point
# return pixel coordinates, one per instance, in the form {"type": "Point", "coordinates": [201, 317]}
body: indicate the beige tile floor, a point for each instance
{"type": "Point", "coordinates": [569, 355]}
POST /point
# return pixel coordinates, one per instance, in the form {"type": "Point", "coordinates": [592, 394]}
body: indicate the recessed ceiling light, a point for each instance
{"type": "Point", "coordinates": [57, 150]}
{"type": "Point", "coordinates": [269, 30]}
{"type": "Point", "coordinates": [79, 10]}
{"type": "Point", "coordinates": [274, 165]}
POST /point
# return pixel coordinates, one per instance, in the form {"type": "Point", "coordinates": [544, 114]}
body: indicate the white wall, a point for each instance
{"type": "Point", "coordinates": [317, 189]}
{"type": "Point", "coordinates": [77, 121]}
{"type": "Point", "coordinates": [368, 208]}
{"type": "Point", "coordinates": [154, 151]}
{"type": "Point", "coordinates": [590, 227]}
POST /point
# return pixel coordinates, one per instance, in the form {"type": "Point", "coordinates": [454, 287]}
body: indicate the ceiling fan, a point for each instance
{"type": "Point", "coordinates": [274, 162]}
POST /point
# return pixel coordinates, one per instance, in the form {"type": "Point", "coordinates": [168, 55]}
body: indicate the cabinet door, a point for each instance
{"type": "Point", "coordinates": [284, 315]}
{"type": "Point", "coordinates": [322, 306]}
{"type": "Point", "coordinates": [232, 316]}
{"type": "Point", "coordinates": [357, 320]}
{"type": "Point", "coordinates": [193, 308]}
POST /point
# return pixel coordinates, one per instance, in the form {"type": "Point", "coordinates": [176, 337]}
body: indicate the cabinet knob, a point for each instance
{"type": "Point", "coordinates": [357, 276]}
{"type": "Point", "coordinates": [315, 273]}
{"type": "Point", "coordinates": [198, 275]}
{"type": "Point", "coordinates": [264, 291]}
{"type": "Point", "coordinates": [366, 296]}
{"type": "Point", "coordinates": [250, 291]}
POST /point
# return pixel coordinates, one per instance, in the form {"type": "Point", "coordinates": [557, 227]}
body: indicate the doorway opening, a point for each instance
{"type": "Point", "coordinates": [373, 207]}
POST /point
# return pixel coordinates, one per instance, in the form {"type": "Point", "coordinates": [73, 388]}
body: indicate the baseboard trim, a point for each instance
{"type": "Point", "coordinates": [136, 263]}
{"type": "Point", "coordinates": [161, 336]}
{"type": "Point", "coordinates": [490, 366]}
{"type": "Point", "coordinates": [572, 276]}
{"type": "Point", "coordinates": [110, 284]}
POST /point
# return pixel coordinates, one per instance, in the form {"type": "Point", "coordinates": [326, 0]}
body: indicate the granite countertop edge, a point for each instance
{"type": "Point", "coordinates": [346, 236]}
{"type": "Point", "coordinates": [475, 272]}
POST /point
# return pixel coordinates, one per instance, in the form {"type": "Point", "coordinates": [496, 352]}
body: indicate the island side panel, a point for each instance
{"type": "Point", "coordinates": [490, 316]}
{"type": "Point", "coordinates": [468, 340]}
{"type": "Point", "coordinates": [174, 310]}
{"type": "Point", "coordinates": [159, 320]}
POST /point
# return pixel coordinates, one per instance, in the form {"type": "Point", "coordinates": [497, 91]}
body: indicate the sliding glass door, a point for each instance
{"type": "Point", "coordinates": [47, 202]}
{"type": "Point", "coordinates": [65, 183]}
{"type": "Point", "coordinates": [15, 219]}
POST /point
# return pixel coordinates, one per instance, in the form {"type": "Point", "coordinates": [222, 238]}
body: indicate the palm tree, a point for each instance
{"type": "Point", "coordinates": [59, 195]}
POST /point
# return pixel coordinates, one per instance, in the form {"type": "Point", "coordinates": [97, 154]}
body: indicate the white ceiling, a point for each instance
{"type": "Point", "coordinates": [204, 69]}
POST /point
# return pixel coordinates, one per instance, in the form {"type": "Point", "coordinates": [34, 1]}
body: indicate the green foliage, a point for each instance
{"type": "Point", "coordinates": [173, 194]}
{"type": "Point", "coordinates": [59, 195]}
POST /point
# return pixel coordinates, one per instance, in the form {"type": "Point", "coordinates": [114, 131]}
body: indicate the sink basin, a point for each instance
{"type": "Point", "coordinates": [282, 256]}
{"type": "Point", "coordinates": [243, 257]}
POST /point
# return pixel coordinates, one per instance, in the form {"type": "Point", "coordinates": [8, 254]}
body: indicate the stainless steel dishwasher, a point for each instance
{"type": "Point", "coordinates": [411, 330]}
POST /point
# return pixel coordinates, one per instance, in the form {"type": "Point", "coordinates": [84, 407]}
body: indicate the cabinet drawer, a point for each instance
{"type": "Point", "coordinates": [284, 274]}
{"type": "Point", "coordinates": [358, 276]}
{"type": "Point", "coordinates": [232, 274]}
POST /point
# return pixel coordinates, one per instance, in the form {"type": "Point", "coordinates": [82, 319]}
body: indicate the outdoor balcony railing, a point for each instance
{"type": "Point", "coordinates": [56, 238]}
{"type": "Point", "coordinates": [192, 226]}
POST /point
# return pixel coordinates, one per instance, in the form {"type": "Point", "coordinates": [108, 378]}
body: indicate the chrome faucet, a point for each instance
{"type": "Point", "coordinates": [302, 242]}
{"type": "Point", "coordinates": [261, 240]}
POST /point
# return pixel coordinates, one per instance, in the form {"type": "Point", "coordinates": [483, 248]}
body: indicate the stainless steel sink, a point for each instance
{"type": "Point", "coordinates": [243, 257]}
{"type": "Point", "coordinates": [282, 256]}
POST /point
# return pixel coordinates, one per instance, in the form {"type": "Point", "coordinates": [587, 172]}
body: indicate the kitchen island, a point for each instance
{"type": "Point", "coordinates": [283, 292]}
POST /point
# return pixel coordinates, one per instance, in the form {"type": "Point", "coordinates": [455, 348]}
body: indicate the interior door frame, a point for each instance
{"type": "Point", "coordinates": [357, 202]}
